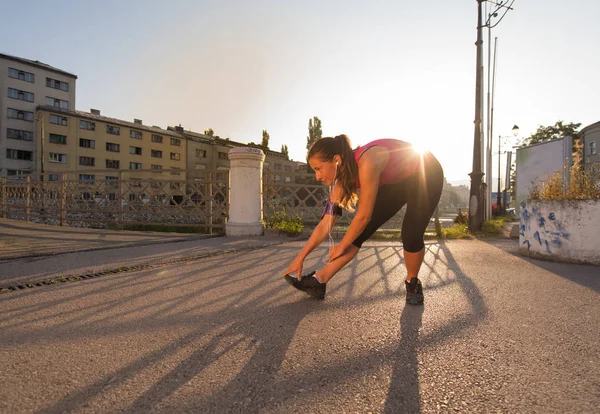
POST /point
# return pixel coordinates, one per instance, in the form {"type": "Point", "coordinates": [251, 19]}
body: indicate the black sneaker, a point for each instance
{"type": "Point", "coordinates": [414, 292]}
{"type": "Point", "coordinates": [308, 284]}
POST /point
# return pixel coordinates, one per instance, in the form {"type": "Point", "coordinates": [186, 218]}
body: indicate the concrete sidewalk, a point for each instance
{"type": "Point", "coordinates": [31, 253]}
{"type": "Point", "coordinates": [22, 239]}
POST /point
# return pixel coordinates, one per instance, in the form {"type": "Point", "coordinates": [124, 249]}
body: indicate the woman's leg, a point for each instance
{"type": "Point", "coordinates": [426, 189]}
{"type": "Point", "coordinates": [332, 268]}
{"type": "Point", "coordinates": [413, 262]}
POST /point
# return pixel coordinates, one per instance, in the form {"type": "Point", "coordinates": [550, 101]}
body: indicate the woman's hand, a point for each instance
{"type": "Point", "coordinates": [335, 252]}
{"type": "Point", "coordinates": [295, 266]}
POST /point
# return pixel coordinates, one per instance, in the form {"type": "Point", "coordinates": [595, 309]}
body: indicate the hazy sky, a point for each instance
{"type": "Point", "coordinates": [370, 69]}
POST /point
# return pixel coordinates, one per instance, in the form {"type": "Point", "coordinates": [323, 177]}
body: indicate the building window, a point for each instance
{"type": "Point", "coordinates": [57, 103]}
{"type": "Point", "coordinates": [60, 158]}
{"type": "Point", "coordinates": [156, 167]}
{"type": "Point", "coordinates": [135, 134]}
{"type": "Point", "coordinates": [87, 143]}
{"type": "Point", "coordinates": [135, 150]}
{"type": "Point", "coordinates": [174, 186]}
{"type": "Point", "coordinates": [222, 155]}
{"type": "Point", "coordinates": [200, 166]}
{"type": "Point", "coordinates": [113, 130]}
{"type": "Point", "coordinates": [90, 126]}
{"type": "Point", "coordinates": [112, 164]}
{"type": "Point", "coordinates": [56, 84]}
{"type": "Point", "coordinates": [19, 134]}
{"type": "Point", "coordinates": [19, 155]}
{"type": "Point", "coordinates": [87, 177]}
{"type": "Point", "coordinates": [21, 75]}
{"type": "Point", "coordinates": [157, 138]}
{"type": "Point", "coordinates": [58, 139]}
{"type": "Point", "coordinates": [22, 115]}
{"type": "Point", "coordinates": [175, 171]}
{"type": "Point", "coordinates": [58, 120]}
{"type": "Point", "coordinates": [156, 153]}
{"type": "Point", "coordinates": [89, 161]}
{"type": "Point", "coordinates": [112, 147]}
{"type": "Point", "coordinates": [112, 182]}
{"type": "Point", "coordinates": [175, 156]}
{"type": "Point", "coordinates": [277, 166]}
{"type": "Point", "coordinates": [176, 142]}
{"type": "Point", "coordinates": [11, 173]}
{"type": "Point", "coordinates": [592, 147]}
{"type": "Point", "coordinates": [201, 153]}
{"type": "Point", "coordinates": [135, 165]}
{"type": "Point", "coordinates": [52, 177]}
{"type": "Point", "coordinates": [20, 95]}
{"type": "Point", "coordinates": [287, 168]}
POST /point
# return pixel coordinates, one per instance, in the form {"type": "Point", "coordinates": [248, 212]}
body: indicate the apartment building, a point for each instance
{"type": "Point", "coordinates": [211, 153]}
{"type": "Point", "coordinates": [87, 141]}
{"type": "Point", "coordinates": [24, 85]}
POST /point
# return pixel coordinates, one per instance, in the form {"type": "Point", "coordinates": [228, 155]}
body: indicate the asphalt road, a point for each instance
{"type": "Point", "coordinates": [224, 333]}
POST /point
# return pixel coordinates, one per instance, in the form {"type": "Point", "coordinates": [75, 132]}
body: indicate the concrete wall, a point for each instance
{"type": "Point", "coordinates": [561, 230]}
{"type": "Point", "coordinates": [537, 162]}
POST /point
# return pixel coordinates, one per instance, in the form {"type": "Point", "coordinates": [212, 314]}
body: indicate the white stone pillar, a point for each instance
{"type": "Point", "coordinates": [245, 192]}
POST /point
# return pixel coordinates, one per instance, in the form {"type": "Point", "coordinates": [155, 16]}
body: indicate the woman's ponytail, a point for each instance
{"type": "Point", "coordinates": [347, 173]}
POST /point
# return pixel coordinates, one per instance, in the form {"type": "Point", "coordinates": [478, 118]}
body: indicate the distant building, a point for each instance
{"type": "Point", "coordinates": [27, 84]}
{"type": "Point", "coordinates": [75, 140]}
{"type": "Point", "coordinates": [590, 138]}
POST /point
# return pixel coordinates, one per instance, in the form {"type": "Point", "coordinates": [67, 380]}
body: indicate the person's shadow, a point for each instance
{"type": "Point", "coordinates": [403, 395]}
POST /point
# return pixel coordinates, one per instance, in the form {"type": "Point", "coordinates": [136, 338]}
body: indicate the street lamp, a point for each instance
{"type": "Point", "coordinates": [499, 203]}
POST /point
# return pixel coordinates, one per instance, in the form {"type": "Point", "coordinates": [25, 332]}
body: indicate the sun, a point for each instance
{"type": "Point", "coordinates": [420, 147]}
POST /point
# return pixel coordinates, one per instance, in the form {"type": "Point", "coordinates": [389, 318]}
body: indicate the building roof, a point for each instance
{"type": "Point", "coordinates": [587, 128]}
{"type": "Point", "coordinates": [37, 64]}
{"type": "Point", "coordinates": [106, 119]}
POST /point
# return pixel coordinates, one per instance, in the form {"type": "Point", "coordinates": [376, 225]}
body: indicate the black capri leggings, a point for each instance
{"type": "Point", "coordinates": [420, 192]}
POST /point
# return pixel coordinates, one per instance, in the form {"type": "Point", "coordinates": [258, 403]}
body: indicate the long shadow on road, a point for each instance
{"type": "Point", "coordinates": [245, 342]}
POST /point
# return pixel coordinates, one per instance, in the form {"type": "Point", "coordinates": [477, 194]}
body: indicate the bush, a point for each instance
{"type": "Point", "coordinates": [292, 226]}
{"type": "Point", "coordinates": [583, 185]}
{"type": "Point", "coordinates": [458, 231]}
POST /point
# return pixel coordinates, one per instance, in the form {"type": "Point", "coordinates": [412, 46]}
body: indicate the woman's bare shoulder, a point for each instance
{"type": "Point", "coordinates": [376, 157]}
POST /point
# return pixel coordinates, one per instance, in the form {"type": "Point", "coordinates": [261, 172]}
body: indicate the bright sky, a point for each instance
{"type": "Point", "coordinates": [370, 69]}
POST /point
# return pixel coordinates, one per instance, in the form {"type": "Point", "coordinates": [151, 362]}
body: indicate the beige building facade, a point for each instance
{"type": "Point", "coordinates": [25, 85]}
{"type": "Point", "coordinates": [77, 141]}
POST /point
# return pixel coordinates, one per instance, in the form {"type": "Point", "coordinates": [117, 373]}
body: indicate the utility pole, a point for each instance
{"type": "Point", "coordinates": [475, 200]}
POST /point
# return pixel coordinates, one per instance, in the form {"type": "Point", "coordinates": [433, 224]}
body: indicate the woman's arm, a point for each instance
{"type": "Point", "coordinates": [323, 228]}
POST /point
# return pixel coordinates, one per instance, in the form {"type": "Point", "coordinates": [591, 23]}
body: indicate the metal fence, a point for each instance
{"type": "Point", "coordinates": [101, 198]}
{"type": "Point", "coordinates": [306, 200]}
{"type": "Point", "coordinates": [169, 197]}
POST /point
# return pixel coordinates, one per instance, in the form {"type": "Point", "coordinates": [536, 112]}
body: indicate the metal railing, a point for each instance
{"type": "Point", "coordinates": [99, 198]}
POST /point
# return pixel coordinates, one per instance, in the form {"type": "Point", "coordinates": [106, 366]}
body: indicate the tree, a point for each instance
{"type": "Point", "coordinates": [265, 139]}
{"type": "Point", "coordinates": [209, 132]}
{"type": "Point", "coordinates": [314, 131]}
{"type": "Point", "coordinates": [284, 151]}
{"type": "Point", "coordinates": [558, 130]}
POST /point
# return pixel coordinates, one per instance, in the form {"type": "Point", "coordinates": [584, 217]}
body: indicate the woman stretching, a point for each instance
{"type": "Point", "coordinates": [389, 174]}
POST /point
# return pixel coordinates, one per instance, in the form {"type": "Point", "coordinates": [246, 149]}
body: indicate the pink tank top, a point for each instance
{"type": "Point", "coordinates": [402, 164]}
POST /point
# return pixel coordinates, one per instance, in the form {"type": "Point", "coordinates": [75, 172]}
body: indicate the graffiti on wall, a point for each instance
{"type": "Point", "coordinates": [541, 230]}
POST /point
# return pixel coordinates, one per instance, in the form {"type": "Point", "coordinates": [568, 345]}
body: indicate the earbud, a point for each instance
{"type": "Point", "coordinates": [337, 163]}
